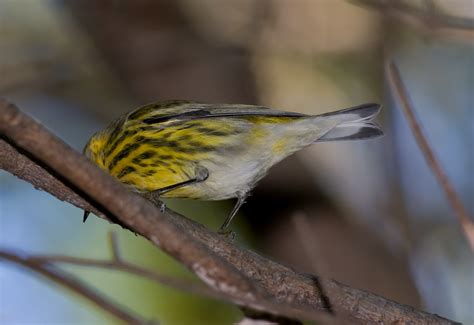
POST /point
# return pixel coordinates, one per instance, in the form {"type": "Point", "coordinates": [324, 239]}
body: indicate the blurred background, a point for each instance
{"type": "Point", "coordinates": [366, 213]}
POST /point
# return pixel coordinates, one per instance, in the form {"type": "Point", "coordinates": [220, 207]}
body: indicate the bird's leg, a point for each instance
{"type": "Point", "coordinates": [241, 197]}
{"type": "Point", "coordinates": [201, 175]}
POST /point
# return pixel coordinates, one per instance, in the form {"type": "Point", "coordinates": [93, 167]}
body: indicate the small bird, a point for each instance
{"type": "Point", "coordinates": [183, 149]}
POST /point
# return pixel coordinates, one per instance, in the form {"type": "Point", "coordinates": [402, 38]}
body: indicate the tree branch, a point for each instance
{"type": "Point", "coordinates": [246, 278]}
{"type": "Point", "coordinates": [119, 264]}
{"type": "Point", "coordinates": [72, 283]}
{"type": "Point", "coordinates": [399, 89]}
{"type": "Point", "coordinates": [427, 20]}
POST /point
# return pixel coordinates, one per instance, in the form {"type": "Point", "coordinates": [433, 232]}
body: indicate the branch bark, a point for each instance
{"type": "Point", "coordinates": [246, 278]}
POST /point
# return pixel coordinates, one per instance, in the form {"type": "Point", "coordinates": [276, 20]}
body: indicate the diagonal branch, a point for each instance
{"type": "Point", "coordinates": [397, 86]}
{"type": "Point", "coordinates": [246, 278]}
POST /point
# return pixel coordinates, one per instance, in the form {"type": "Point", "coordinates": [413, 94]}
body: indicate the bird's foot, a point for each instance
{"type": "Point", "coordinates": [162, 207]}
{"type": "Point", "coordinates": [227, 234]}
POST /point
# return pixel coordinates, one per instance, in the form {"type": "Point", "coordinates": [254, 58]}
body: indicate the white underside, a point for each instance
{"type": "Point", "coordinates": [237, 174]}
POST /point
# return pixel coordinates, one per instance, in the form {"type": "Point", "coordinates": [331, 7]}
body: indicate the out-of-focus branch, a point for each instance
{"type": "Point", "coordinates": [398, 88]}
{"type": "Point", "coordinates": [117, 263]}
{"type": "Point", "coordinates": [427, 20]}
{"type": "Point", "coordinates": [244, 277]}
{"type": "Point", "coordinates": [50, 271]}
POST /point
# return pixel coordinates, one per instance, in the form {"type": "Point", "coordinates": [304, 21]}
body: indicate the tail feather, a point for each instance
{"type": "Point", "coordinates": [356, 123]}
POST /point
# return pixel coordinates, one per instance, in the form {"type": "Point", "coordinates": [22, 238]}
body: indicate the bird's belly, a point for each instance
{"type": "Point", "coordinates": [237, 169]}
{"type": "Point", "coordinates": [226, 180]}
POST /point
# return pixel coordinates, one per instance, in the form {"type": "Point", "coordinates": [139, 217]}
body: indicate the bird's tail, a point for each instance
{"type": "Point", "coordinates": [355, 123]}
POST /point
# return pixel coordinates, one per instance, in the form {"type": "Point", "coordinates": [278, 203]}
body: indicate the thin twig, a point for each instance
{"type": "Point", "coordinates": [181, 284]}
{"type": "Point", "coordinates": [75, 285]}
{"type": "Point", "coordinates": [398, 88]}
{"type": "Point", "coordinates": [425, 19]}
{"type": "Point", "coordinates": [117, 263]}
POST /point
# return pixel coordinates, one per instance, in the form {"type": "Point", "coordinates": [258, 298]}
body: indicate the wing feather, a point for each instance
{"type": "Point", "coordinates": [193, 111]}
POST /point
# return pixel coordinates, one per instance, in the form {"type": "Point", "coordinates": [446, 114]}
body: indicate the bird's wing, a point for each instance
{"type": "Point", "coordinates": [181, 110]}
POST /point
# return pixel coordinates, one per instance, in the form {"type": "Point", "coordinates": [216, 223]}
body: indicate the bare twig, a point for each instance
{"type": "Point", "coordinates": [426, 20]}
{"type": "Point", "coordinates": [461, 213]}
{"type": "Point", "coordinates": [117, 263]}
{"type": "Point", "coordinates": [173, 282]}
{"type": "Point", "coordinates": [246, 278]}
{"type": "Point", "coordinates": [75, 285]}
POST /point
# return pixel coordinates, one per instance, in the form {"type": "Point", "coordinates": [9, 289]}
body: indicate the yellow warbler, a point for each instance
{"type": "Point", "coordinates": [182, 149]}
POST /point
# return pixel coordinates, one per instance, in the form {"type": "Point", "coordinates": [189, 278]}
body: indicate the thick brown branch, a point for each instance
{"type": "Point", "coordinates": [247, 278]}
{"type": "Point", "coordinates": [23, 167]}
{"type": "Point", "coordinates": [461, 213]}
{"type": "Point", "coordinates": [68, 281]}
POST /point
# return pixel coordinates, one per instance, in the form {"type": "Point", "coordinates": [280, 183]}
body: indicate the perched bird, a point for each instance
{"type": "Point", "coordinates": [182, 149]}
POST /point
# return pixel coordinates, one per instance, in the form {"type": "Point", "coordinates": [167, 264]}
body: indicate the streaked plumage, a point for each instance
{"type": "Point", "coordinates": [230, 146]}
